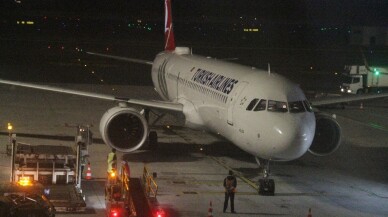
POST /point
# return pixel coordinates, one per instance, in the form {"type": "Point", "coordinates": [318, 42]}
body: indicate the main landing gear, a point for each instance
{"type": "Point", "coordinates": [152, 136]}
{"type": "Point", "coordinates": [266, 185]}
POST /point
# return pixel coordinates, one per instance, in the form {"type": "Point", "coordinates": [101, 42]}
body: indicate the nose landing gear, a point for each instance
{"type": "Point", "coordinates": [266, 185]}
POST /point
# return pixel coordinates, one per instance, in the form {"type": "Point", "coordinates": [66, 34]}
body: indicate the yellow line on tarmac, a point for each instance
{"type": "Point", "coordinates": [238, 174]}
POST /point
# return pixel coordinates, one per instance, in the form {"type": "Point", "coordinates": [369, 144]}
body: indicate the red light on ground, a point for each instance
{"type": "Point", "coordinates": [114, 213]}
{"type": "Point", "coordinates": [159, 213]}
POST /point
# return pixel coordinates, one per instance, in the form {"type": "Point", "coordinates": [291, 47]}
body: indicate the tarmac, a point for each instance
{"type": "Point", "coordinates": [190, 166]}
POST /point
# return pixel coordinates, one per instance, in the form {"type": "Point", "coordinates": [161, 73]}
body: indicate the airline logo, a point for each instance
{"type": "Point", "coordinates": [214, 81]}
{"type": "Point", "coordinates": [168, 33]}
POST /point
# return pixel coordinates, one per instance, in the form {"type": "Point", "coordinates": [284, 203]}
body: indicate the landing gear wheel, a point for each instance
{"type": "Point", "coordinates": [153, 140]}
{"type": "Point", "coordinates": [266, 187]}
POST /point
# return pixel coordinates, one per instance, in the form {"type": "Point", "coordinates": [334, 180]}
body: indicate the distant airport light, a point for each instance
{"type": "Point", "coordinates": [376, 71]}
{"type": "Point", "coordinates": [251, 30]}
{"type": "Point", "coordinates": [29, 22]}
{"type": "Point", "coordinates": [9, 127]}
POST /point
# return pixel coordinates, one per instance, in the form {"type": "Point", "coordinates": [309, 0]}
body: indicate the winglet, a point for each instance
{"type": "Point", "coordinates": [168, 32]}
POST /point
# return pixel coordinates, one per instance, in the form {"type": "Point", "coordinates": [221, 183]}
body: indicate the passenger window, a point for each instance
{"type": "Point", "coordinates": [296, 107]}
{"type": "Point", "coordinates": [261, 106]}
{"type": "Point", "coordinates": [308, 106]}
{"type": "Point", "coordinates": [276, 106]}
{"type": "Point", "coordinates": [252, 104]}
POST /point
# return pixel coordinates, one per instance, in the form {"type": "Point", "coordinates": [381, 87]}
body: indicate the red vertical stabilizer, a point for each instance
{"type": "Point", "coordinates": [168, 32]}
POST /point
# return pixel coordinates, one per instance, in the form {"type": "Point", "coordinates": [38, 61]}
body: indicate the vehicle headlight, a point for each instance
{"type": "Point", "coordinates": [349, 90]}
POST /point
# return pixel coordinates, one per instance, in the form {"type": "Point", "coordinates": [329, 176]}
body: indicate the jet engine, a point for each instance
{"type": "Point", "coordinates": [327, 135]}
{"type": "Point", "coordinates": [124, 128]}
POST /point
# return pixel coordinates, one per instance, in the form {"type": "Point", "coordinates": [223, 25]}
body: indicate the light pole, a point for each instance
{"type": "Point", "coordinates": [12, 144]}
{"type": "Point", "coordinates": [10, 127]}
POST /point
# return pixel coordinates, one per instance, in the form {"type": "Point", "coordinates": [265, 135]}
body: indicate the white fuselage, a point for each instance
{"type": "Point", "coordinates": [216, 96]}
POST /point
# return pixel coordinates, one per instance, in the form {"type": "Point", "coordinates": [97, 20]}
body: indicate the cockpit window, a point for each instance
{"type": "Point", "coordinates": [276, 106]}
{"type": "Point", "coordinates": [296, 107]}
{"type": "Point", "coordinates": [308, 106]}
{"type": "Point", "coordinates": [252, 104]}
{"type": "Point", "coordinates": [261, 105]}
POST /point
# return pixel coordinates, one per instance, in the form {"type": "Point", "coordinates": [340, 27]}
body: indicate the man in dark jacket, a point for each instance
{"type": "Point", "coordinates": [230, 184]}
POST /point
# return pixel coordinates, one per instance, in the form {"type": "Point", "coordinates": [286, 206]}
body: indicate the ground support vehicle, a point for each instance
{"type": "Point", "coordinates": [54, 168]}
{"type": "Point", "coordinates": [21, 201]}
{"type": "Point", "coordinates": [118, 194]}
{"type": "Point", "coordinates": [364, 79]}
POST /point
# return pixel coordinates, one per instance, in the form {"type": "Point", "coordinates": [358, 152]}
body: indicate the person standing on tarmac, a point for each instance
{"type": "Point", "coordinates": [230, 184]}
{"type": "Point", "coordinates": [84, 161]}
{"type": "Point", "coordinates": [112, 161]}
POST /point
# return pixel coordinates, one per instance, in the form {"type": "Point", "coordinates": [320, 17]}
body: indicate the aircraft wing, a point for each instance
{"type": "Point", "coordinates": [145, 103]}
{"type": "Point", "coordinates": [345, 98]}
{"type": "Point", "coordinates": [133, 60]}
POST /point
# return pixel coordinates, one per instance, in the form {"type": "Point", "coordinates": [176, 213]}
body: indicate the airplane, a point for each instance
{"type": "Point", "coordinates": [259, 111]}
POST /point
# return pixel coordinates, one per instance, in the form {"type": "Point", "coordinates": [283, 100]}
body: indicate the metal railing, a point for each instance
{"type": "Point", "coordinates": [150, 186]}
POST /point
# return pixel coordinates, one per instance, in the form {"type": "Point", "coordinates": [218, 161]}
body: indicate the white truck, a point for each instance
{"type": "Point", "coordinates": [363, 79]}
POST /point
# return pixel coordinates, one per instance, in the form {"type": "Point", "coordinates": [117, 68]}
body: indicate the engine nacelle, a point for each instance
{"type": "Point", "coordinates": [327, 135]}
{"type": "Point", "coordinates": [124, 128]}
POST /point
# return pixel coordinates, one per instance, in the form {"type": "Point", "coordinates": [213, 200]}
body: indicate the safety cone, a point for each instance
{"type": "Point", "coordinates": [361, 106]}
{"type": "Point", "coordinates": [210, 210]}
{"type": "Point", "coordinates": [89, 173]}
{"type": "Point", "coordinates": [309, 215]}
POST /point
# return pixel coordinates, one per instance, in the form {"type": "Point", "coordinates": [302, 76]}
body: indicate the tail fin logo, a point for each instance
{"type": "Point", "coordinates": [168, 32]}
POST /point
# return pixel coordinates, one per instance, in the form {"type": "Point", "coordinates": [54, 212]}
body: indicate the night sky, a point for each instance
{"type": "Point", "coordinates": [354, 12]}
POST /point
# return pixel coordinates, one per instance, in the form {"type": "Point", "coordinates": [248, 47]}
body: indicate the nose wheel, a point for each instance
{"type": "Point", "coordinates": [266, 185]}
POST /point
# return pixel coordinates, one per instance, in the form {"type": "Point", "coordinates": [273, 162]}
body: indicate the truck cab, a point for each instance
{"type": "Point", "coordinates": [363, 79]}
{"type": "Point", "coordinates": [352, 84]}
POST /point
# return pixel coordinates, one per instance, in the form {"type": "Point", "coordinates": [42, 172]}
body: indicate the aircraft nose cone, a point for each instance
{"type": "Point", "coordinates": [294, 136]}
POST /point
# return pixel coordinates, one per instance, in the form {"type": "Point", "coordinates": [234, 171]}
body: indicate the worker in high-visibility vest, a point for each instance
{"type": "Point", "coordinates": [112, 161]}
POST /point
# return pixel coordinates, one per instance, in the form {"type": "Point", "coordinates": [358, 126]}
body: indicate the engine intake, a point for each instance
{"type": "Point", "coordinates": [124, 128]}
{"type": "Point", "coordinates": [327, 135]}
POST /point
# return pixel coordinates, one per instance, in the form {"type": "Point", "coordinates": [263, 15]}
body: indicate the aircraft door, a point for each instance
{"type": "Point", "coordinates": [232, 101]}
